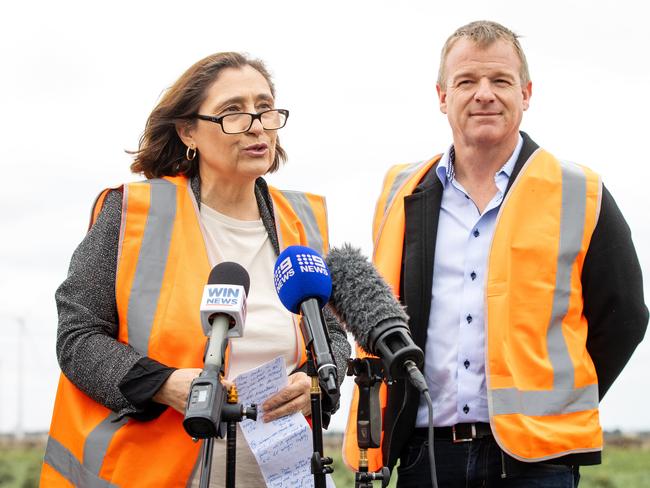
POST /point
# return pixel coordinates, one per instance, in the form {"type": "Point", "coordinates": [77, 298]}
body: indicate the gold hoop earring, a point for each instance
{"type": "Point", "coordinates": [193, 153]}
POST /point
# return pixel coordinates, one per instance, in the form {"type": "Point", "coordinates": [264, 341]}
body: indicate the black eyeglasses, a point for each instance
{"type": "Point", "coordinates": [239, 122]}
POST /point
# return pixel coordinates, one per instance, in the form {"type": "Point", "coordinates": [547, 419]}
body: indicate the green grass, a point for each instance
{"type": "Point", "coordinates": [622, 468]}
{"type": "Point", "coordinates": [20, 467]}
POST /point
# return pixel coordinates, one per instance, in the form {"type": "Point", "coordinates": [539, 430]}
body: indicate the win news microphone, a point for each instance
{"type": "Point", "coordinates": [223, 309]}
{"type": "Point", "coordinates": [303, 284]}
{"type": "Point", "coordinates": [223, 313]}
{"type": "Point", "coordinates": [373, 316]}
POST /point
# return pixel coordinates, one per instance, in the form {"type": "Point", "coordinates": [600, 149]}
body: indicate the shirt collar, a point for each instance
{"type": "Point", "coordinates": [446, 169]}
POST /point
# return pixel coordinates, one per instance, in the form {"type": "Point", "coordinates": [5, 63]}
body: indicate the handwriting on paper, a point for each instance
{"type": "Point", "coordinates": [282, 447]}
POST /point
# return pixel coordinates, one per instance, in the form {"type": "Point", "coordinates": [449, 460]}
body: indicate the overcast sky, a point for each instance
{"type": "Point", "coordinates": [78, 82]}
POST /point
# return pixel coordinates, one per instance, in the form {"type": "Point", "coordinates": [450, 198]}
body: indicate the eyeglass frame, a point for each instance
{"type": "Point", "coordinates": [254, 117]}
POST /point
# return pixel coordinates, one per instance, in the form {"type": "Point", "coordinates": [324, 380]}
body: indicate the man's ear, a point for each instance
{"type": "Point", "coordinates": [442, 97]}
{"type": "Point", "coordinates": [527, 92]}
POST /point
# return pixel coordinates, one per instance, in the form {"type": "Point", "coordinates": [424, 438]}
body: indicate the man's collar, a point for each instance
{"type": "Point", "coordinates": [446, 170]}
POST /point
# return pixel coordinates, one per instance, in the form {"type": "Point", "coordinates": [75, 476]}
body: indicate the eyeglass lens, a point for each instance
{"type": "Point", "coordinates": [234, 123]}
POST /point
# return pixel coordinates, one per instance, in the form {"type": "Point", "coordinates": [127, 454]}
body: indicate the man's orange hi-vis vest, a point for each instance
{"type": "Point", "coordinates": [541, 383]}
{"type": "Point", "coordinates": [162, 267]}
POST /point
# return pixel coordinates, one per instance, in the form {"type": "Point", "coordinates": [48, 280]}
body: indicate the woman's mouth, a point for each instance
{"type": "Point", "coordinates": [256, 150]}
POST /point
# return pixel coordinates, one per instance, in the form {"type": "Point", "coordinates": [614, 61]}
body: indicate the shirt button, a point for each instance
{"type": "Point", "coordinates": [469, 319]}
{"type": "Point", "coordinates": [466, 409]}
{"type": "Point", "coordinates": [466, 364]}
{"type": "Point", "coordinates": [473, 275]}
{"type": "Point", "coordinates": [476, 233]}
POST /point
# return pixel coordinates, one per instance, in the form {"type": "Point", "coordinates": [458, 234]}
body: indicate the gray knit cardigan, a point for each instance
{"type": "Point", "coordinates": [87, 348]}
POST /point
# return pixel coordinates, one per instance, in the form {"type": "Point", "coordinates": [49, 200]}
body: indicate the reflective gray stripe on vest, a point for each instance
{"type": "Point", "coordinates": [143, 301]}
{"type": "Point", "coordinates": [152, 260]}
{"type": "Point", "coordinates": [572, 222]}
{"type": "Point", "coordinates": [98, 440]}
{"type": "Point", "coordinates": [538, 403]}
{"type": "Point", "coordinates": [64, 462]}
{"type": "Point", "coordinates": [302, 207]}
{"type": "Point", "coordinates": [401, 177]}
{"type": "Point", "coordinates": [564, 398]}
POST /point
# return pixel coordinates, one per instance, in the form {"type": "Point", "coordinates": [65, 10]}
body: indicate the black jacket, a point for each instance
{"type": "Point", "coordinates": [612, 291]}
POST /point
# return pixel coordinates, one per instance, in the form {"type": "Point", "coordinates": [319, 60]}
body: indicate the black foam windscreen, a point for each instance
{"type": "Point", "coordinates": [360, 296]}
{"type": "Point", "coordinates": [229, 273]}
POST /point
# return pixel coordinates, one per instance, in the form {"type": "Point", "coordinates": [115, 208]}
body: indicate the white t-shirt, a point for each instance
{"type": "Point", "coordinates": [269, 330]}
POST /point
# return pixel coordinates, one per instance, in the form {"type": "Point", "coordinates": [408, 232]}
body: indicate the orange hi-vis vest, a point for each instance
{"type": "Point", "coordinates": [162, 268]}
{"type": "Point", "coordinates": [541, 382]}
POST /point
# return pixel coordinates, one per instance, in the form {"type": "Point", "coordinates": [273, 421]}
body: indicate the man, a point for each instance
{"type": "Point", "coordinates": [521, 282]}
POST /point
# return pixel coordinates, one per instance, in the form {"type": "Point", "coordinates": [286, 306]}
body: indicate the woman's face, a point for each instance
{"type": "Point", "coordinates": [237, 157]}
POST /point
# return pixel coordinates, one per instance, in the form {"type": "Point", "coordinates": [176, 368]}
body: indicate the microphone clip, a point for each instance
{"type": "Point", "coordinates": [368, 375]}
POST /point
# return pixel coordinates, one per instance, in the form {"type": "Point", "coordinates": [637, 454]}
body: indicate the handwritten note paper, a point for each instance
{"type": "Point", "coordinates": [283, 447]}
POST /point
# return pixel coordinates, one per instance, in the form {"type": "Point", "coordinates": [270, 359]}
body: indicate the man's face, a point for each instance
{"type": "Point", "coordinates": [483, 96]}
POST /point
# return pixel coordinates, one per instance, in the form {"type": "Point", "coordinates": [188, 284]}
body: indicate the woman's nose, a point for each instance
{"type": "Point", "coordinates": [256, 127]}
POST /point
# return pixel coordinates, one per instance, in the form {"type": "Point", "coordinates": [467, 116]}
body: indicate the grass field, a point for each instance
{"type": "Point", "coordinates": [621, 468]}
{"type": "Point", "coordinates": [20, 467]}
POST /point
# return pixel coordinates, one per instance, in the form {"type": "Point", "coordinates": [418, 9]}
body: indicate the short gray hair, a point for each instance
{"type": "Point", "coordinates": [484, 33]}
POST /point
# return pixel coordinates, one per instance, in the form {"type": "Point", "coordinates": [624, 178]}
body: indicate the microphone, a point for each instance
{"type": "Point", "coordinates": [372, 314]}
{"type": "Point", "coordinates": [223, 309]}
{"type": "Point", "coordinates": [303, 284]}
{"type": "Point", "coordinates": [223, 313]}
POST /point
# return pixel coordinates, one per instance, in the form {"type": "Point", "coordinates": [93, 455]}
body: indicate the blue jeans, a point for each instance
{"type": "Point", "coordinates": [479, 463]}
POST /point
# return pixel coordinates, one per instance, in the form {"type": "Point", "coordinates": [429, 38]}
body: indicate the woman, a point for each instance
{"type": "Point", "coordinates": [130, 339]}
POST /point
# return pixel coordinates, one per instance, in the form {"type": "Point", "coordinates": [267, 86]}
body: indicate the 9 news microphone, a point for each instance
{"type": "Point", "coordinates": [223, 313]}
{"type": "Point", "coordinates": [303, 284]}
{"type": "Point", "coordinates": [373, 315]}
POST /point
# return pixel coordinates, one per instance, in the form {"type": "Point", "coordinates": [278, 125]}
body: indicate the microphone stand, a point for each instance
{"type": "Point", "coordinates": [320, 465]}
{"type": "Point", "coordinates": [232, 412]}
{"type": "Point", "coordinates": [369, 374]}
{"type": "Point", "coordinates": [207, 408]}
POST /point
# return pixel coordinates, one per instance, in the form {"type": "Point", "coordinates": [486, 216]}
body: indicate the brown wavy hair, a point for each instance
{"type": "Point", "coordinates": [161, 151]}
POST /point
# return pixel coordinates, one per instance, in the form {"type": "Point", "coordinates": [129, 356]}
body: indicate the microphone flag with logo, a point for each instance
{"type": "Point", "coordinates": [301, 273]}
{"type": "Point", "coordinates": [225, 294]}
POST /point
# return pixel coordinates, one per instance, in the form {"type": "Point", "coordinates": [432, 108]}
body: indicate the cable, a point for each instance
{"type": "Point", "coordinates": [417, 379]}
{"type": "Point", "coordinates": [432, 459]}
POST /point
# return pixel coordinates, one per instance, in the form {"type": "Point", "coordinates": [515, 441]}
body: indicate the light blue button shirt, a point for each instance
{"type": "Point", "coordinates": [454, 366]}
